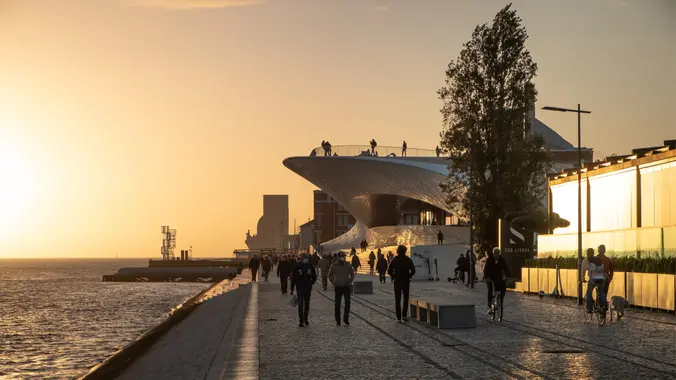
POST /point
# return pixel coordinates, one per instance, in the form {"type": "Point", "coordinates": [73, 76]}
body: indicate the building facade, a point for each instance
{"type": "Point", "coordinates": [628, 204]}
{"type": "Point", "coordinates": [273, 226]}
{"type": "Point", "coordinates": [331, 219]}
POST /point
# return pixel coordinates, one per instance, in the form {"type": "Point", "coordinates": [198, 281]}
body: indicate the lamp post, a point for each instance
{"type": "Point", "coordinates": [579, 111]}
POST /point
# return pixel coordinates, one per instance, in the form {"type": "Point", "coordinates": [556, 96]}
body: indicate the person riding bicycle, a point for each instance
{"type": "Point", "coordinates": [607, 266]}
{"type": "Point", "coordinates": [495, 267]}
{"type": "Point", "coordinates": [597, 279]}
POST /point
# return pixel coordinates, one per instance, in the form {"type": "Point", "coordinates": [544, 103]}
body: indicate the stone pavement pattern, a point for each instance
{"type": "Point", "coordinates": [254, 334]}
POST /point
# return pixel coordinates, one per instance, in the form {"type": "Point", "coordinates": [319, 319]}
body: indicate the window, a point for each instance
{"type": "Point", "coordinates": [342, 220]}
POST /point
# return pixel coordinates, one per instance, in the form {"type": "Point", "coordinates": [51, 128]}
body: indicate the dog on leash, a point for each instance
{"type": "Point", "coordinates": [618, 304]}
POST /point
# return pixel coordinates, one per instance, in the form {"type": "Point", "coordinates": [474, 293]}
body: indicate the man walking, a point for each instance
{"type": "Point", "coordinates": [283, 272]}
{"type": "Point", "coordinates": [372, 261]}
{"type": "Point", "coordinates": [401, 270]}
{"type": "Point", "coordinates": [324, 267]}
{"type": "Point", "coordinates": [254, 264]}
{"type": "Point", "coordinates": [304, 276]}
{"type": "Point", "coordinates": [341, 276]}
{"type": "Point", "coordinates": [440, 238]}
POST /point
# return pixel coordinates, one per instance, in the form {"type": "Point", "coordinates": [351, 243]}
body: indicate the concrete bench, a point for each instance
{"type": "Point", "coordinates": [444, 313]}
{"type": "Point", "coordinates": [362, 287]}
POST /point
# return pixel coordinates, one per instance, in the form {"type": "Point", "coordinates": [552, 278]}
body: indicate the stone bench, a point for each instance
{"type": "Point", "coordinates": [443, 313]}
{"type": "Point", "coordinates": [362, 287]}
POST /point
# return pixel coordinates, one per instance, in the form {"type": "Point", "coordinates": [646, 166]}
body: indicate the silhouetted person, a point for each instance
{"type": "Point", "coordinates": [402, 270]}
{"type": "Point", "coordinates": [328, 148]}
{"type": "Point", "coordinates": [372, 262]}
{"type": "Point", "coordinates": [353, 251]}
{"type": "Point", "coordinates": [314, 260]}
{"type": "Point", "coordinates": [267, 267]}
{"type": "Point", "coordinates": [440, 238]}
{"type": "Point", "coordinates": [313, 153]}
{"type": "Point", "coordinates": [462, 266]}
{"type": "Point", "coordinates": [356, 263]}
{"type": "Point", "coordinates": [325, 147]}
{"type": "Point", "coordinates": [324, 266]}
{"type": "Point", "coordinates": [403, 149]}
{"type": "Point", "coordinates": [284, 271]}
{"type": "Point", "coordinates": [374, 144]}
{"type": "Point", "coordinates": [254, 264]}
{"type": "Point", "coordinates": [304, 276]}
{"type": "Point", "coordinates": [381, 267]}
{"type": "Point", "coordinates": [438, 151]}
{"type": "Point", "coordinates": [341, 276]}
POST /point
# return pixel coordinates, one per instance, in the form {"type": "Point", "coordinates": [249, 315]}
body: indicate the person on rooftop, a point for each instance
{"type": "Point", "coordinates": [403, 149]}
{"type": "Point", "coordinates": [374, 144]}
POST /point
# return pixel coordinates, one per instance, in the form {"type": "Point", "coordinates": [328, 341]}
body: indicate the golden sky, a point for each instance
{"type": "Point", "coordinates": [118, 116]}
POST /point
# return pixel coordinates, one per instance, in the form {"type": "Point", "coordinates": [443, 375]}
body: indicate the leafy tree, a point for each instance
{"type": "Point", "coordinates": [487, 99]}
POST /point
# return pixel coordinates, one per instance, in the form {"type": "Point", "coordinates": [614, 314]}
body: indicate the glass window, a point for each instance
{"type": "Point", "coordinates": [564, 203]}
{"type": "Point", "coordinates": [613, 201]}
{"type": "Point", "coordinates": [658, 195]}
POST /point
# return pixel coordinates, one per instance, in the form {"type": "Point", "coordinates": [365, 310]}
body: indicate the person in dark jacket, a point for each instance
{"type": "Point", "coordinates": [284, 271]}
{"type": "Point", "coordinates": [372, 261]}
{"type": "Point", "coordinates": [304, 276]}
{"type": "Point", "coordinates": [267, 267]}
{"type": "Point", "coordinates": [254, 264]}
{"type": "Point", "coordinates": [461, 267]}
{"type": "Point", "coordinates": [314, 260]}
{"type": "Point", "coordinates": [381, 267]}
{"type": "Point", "coordinates": [440, 238]}
{"type": "Point", "coordinates": [495, 267]}
{"type": "Point", "coordinates": [355, 263]}
{"type": "Point", "coordinates": [401, 270]}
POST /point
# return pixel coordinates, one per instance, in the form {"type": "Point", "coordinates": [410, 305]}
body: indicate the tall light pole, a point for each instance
{"type": "Point", "coordinates": [579, 111]}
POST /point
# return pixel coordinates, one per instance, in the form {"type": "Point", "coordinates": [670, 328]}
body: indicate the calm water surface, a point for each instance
{"type": "Point", "coordinates": [57, 319]}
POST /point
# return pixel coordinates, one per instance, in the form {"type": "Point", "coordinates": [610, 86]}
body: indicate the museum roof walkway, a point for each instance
{"type": "Point", "coordinates": [253, 333]}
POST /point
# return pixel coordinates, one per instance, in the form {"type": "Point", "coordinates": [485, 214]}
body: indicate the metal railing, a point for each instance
{"type": "Point", "coordinates": [382, 151]}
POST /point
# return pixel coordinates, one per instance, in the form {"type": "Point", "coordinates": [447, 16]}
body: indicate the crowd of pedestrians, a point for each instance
{"type": "Point", "coordinates": [302, 271]}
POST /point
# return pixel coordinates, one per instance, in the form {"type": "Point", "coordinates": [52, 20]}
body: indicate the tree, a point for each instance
{"type": "Point", "coordinates": [487, 99]}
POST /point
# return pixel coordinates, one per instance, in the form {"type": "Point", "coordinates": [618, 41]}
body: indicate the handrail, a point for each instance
{"type": "Point", "coordinates": [383, 151]}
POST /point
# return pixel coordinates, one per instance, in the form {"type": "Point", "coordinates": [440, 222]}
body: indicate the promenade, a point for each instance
{"type": "Point", "coordinates": [252, 333]}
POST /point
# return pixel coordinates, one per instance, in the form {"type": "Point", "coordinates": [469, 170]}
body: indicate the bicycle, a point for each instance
{"type": "Point", "coordinates": [598, 309]}
{"type": "Point", "coordinates": [496, 307]}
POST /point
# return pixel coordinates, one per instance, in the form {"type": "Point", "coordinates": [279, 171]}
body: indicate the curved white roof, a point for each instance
{"type": "Point", "coordinates": [354, 181]}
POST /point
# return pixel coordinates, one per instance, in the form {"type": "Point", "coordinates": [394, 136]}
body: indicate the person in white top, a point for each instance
{"type": "Point", "coordinates": [597, 278]}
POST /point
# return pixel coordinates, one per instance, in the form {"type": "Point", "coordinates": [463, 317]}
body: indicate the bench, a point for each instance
{"type": "Point", "coordinates": [362, 287]}
{"type": "Point", "coordinates": [443, 313]}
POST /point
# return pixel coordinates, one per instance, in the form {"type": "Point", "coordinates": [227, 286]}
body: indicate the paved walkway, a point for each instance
{"type": "Point", "coordinates": [537, 339]}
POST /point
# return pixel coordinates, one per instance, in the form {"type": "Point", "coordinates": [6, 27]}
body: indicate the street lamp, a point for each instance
{"type": "Point", "coordinates": [579, 111]}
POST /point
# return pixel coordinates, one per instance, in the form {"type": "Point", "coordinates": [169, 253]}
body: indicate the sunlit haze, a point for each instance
{"type": "Point", "coordinates": [119, 116]}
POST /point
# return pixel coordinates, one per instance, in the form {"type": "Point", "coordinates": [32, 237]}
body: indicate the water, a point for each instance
{"type": "Point", "coordinates": [57, 319]}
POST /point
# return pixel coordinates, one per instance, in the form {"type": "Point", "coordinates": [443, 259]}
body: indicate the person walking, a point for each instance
{"type": "Point", "coordinates": [283, 272]}
{"type": "Point", "coordinates": [403, 149]}
{"type": "Point", "coordinates": [304, 276]}
{"type": "Point", "coordinates": [374, 144]}
{"type": "Point", "coordinates": [390, 257]}
{"type": "Point", "coordinates": [438, 151]}
{"type": "Point", "coordinates": [314, 260]}
{"type": "Point", "coordinates": [461, 267]}
{"type": "Point", "coordinates": [440, 238]}
{"type": "Point", "coordinates": [324, 267]}
{"type": "Point", "coordinates": [381, 267]}
{"type": "Point", "coordinates": [356, 263]}
{"type": "Point", "coordinates": [372, 262]}
{"type": "Point", "coordinates": [254, 264]}
{"type": "Point", "coordinates": [495, 267]}
{"type": "Point", "coordinates": [341, 276]}
{"type": "Point", "coordinates": [402, 270]}
{"type": "Point", "coordinates": [267, 267]}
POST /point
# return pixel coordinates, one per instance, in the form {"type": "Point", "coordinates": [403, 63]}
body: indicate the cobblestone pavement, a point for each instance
{"type": "Point", "coordinates": [537, 339]}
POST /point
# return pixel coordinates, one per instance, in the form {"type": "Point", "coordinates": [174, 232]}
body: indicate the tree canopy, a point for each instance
{"type": "Point", "coordinates": [487, 99]}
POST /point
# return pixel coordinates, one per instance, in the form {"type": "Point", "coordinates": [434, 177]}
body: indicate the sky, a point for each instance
{"type": "Point", "coordinates": [119, 116]}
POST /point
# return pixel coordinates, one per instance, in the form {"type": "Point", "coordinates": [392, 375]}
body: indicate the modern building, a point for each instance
{"type": "Point", "coordinates": [331, 219]}
{"type": "Point", "coordinates": [393, 199]}
{"type": "Point", "coordinates": [307, 235]}
{"type": "Point", "coordinates": [628, 204]}
{"type": "Point", "coordinates": [273, 226]}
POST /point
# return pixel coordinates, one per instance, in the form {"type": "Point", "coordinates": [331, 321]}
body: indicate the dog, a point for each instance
{"type": "Point", "coordinates": [618, 304]}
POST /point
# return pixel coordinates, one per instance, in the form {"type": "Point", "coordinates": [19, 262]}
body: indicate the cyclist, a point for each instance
{"type": "Point", "coordinates": [607, 266]}
{"type": "Point", "coordinates": [597, 279]}
{"type": "Point", "coordinates": [493, 274]}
